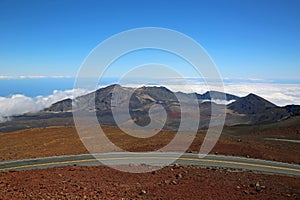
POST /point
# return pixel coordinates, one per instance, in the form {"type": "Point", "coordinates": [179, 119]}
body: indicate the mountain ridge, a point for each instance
{"type": "Point", "coordinates": [251, 109]}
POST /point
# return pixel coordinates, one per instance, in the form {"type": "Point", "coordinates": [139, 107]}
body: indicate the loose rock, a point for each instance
{"type": "Point", "coordinates": [178, 176]}
{"type": "Point", "coordinates": [143, 192]}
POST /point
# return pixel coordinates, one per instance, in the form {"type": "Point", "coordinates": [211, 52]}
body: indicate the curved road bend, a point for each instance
{"type": "Point", "coordinates": [153, 159]}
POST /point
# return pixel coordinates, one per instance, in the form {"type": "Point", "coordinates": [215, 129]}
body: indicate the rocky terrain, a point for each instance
{"type": "Point", "coordinates": [173, 182]}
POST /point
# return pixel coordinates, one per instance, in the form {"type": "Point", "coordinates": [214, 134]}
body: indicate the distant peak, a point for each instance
{"type": "Point", "coordinates": [112, 86]}
{"type": "Point", "coordinates": [252, 95]}
{"type": "Point", "coordinates": [251, 104]}
{"type": "Point", "coordinates": [115, 85]}
{"type": "Point", "coordinates": [256, 98]}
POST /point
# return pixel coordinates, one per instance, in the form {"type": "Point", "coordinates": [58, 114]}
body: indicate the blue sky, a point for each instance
{"type": "Point", "coordinates": [246, 39]}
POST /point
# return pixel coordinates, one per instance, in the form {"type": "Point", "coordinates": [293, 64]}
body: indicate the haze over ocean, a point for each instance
{"type": "Point", "coordinates": [33, 87]}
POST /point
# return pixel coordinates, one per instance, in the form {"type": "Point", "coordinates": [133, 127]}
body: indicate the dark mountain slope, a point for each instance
{"type": "Point", "coordinates": [258, 110]}
{"type": "Point", "coordinates": [61, 106]}
{"type": "Point", "coordinates": [294, 110]}
{"type": "Point", "coordinates": [251, 104]}
{"type": "Point", "coordinates": [217, 95]}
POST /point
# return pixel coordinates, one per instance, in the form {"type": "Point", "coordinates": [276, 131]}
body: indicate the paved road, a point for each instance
{"type": "Point", "coordinates": [154, 159]}
{"type": "Point", "coordinates": [283, 140]}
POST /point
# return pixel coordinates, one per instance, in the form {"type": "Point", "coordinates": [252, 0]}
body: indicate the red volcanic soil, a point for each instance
{"type": "Point", "coordinates": [42, 142]}
{"type": "Point", "coordinates": [173, 182]}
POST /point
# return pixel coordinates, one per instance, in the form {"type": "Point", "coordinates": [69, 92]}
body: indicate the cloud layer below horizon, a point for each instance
{"type": "Point", "coordinates": [280, 94]}
{"type": "Point", "coordinates": [18, 104]}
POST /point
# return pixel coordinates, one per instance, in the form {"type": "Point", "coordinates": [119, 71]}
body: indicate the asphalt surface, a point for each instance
{"type": "Point", "coordinates": [154, 159]}
{"type": "Point", "coordinates": [283, 140]}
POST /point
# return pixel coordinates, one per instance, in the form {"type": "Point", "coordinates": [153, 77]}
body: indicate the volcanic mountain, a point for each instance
{"type": "Point", "coordinates": [250, 109]}
{"type": "Point", "coordinates": [251, 104]}
{"type": "Point", "coordinates": [258, 110]}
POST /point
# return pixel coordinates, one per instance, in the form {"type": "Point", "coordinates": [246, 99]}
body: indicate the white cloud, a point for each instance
{"type": "Point", "coordinates": [5, 77]}
{"type": "Point", "coordinates": [218, 101]}
{"type": "Point", "coordinates": [31, 77]}
{"type": "Point", "coordinates": [19, 104]}
{"type": "Point", "coordinates": [16, 104]}
{"type": "Point", "coordinates": [280, 94]}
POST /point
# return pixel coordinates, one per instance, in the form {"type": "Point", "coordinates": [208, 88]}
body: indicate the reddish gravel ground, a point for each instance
{"type": "Point", "coordinates": [173, 182]}
{"type": "Point", "coordinates": [54, 141]}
